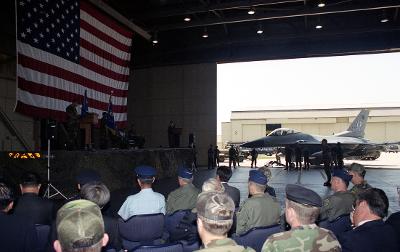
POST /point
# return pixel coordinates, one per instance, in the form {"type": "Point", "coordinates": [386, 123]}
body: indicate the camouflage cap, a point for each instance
{"type": "Point", "coordinates": [303, 195]}
{"type": "Point", "coordinates": [358, 168]}
{"type": "Point", "coordinates": [215, 206]}
{"type": "Point", "coordinates": [79, 224]}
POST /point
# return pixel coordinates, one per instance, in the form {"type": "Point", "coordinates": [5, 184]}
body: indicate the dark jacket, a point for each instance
{"type": "Point", "coordinates": [233, 192]}
{"type": "Point", "coordinates": [35, 208]}
{"type": "Point", "coordinates": [394, 221]}
{"type": "Point", "coordinates": [370, 237]}
{"type": "Point", "coordinates": [17, 234]}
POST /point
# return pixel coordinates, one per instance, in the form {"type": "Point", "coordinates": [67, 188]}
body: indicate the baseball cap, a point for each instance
{"type": "Point", "coordinates": [185, 173]}
{"type": "Point", "coordinates": [79, 224]}
{"type": "Point", "coordinates": [343, 174]}
{"type": "Point", "coordinates": [258, 177]}
{"type": "Point", "coordinates": [145, 171]}
{"type": "Point", "coordinates": [87, 176]}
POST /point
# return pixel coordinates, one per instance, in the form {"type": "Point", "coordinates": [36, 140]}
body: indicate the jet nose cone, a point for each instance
{"type": "Point", "coordinates": [254, 144]}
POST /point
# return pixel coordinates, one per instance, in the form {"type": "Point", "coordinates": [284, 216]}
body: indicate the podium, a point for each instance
{"type": "Point", "coordinates": [86, 124]}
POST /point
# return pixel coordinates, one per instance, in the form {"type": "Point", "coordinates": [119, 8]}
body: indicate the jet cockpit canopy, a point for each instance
{"type": "Point", "coordinates": [282, 132]}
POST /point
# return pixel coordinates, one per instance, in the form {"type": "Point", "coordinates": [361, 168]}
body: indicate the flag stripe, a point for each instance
{"type": "Point", "coordinates": [46, 59]}
{"type": "Point", "coordinates": [60, 94]}
{"type": "Point", "coordinates": [104, 54]}
{"type": "Point", "coordinates": [104, 19]}
{"type": "Point", "coordinates": [71, 87]}
{"type": "Point", "coordinates": [84, 53]}
{"type": "Point", "coordinates": [67, 75]}
{"type": "Point", "coordinates": [104, 71]}
{"type": "Point", "coordinates": [56, 104]}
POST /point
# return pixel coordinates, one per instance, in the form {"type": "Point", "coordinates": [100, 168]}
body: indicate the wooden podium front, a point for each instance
{"type": "Point", "coordinates": [86, 124]}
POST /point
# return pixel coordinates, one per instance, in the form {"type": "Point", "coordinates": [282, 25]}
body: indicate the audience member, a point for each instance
{"type": "Point", "coordinates": [80, 228]}
{"type": "Point", "coordinates": [146, 201]}
{"type": "Point", "coordinates": [214, 219]}
{"type": "Point", "coordinates": [212, 185]}
{"type": "Point", "coordinates": [302, 210]}
{"type": "Point", "coordinates": [185, 196]}
{"type": "Point", "coordinates": [341, 201]}
{"type": "Point", "coordinates": [370, 232]}
{"type": "Point", "coordinates": [259, 210]}
{"type": "Point", "coordinates": [358, 172]}
{"type": "Point", "coordinates": [16, 233]}
{"type": "Point", "coordinates": [224, 173]}
{"type": "Point", "coordinates": [30, 205]}
{"type": "Point", "coordinates": [267, 173]}
{"type": "Point", "coordinates": [83, 177]}
{"type": "Point", "coordinates": [98, 193]}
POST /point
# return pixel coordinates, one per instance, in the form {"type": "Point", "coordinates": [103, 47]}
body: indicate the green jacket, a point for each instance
{"type": "Point", "coordinates": [185, 197]}
{"type": "Point", "coordinates": [336, 205]}
{"type": "Point", "coordinates": [258, 211]}
{"type": "Point", "coordinates": [356, 189]}
{"type": "Point", "coordinates": [225, 245]}
{"type": "Point", "coordinates": [304, 238]}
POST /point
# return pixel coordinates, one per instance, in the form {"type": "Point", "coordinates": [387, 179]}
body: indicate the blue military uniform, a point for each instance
{"type": "Point", "coordinates": [146, 201]}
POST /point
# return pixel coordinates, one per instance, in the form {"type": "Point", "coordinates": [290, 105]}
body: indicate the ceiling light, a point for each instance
{"type": "Point", "coordinates": [205, 33]}
{"type": "Point", "coordinates": [252, 11]}
{"type": "Point", "coordinates": [384, 20]}
{"type": "Point", "coordinates": [321, 4]}
{"type": "Point", "coordinates": [155, 38]}
{"type": "Point", "coordinates": [259, 31]}
{"type": "Point", "coordinates": [318, 26]}
{"type": "Point", "coordinates": [187, 19]}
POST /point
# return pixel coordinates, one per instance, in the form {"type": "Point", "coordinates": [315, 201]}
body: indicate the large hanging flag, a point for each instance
{"type": "Point", "coordinates": [64, 48]}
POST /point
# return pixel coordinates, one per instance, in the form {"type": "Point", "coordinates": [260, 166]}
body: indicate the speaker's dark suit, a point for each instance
{"type": "Point", "coordinates": [233, 192]}
{"type": "Point", "coordinates": [35, 208]}
{"type": "Point", "coordinates": [370, 237]}
{"type": "Point", "coordinates": [394, 221]}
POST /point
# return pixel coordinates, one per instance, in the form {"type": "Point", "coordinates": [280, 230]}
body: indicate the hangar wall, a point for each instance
{"type": "Point", "coordinates": [186, 94]}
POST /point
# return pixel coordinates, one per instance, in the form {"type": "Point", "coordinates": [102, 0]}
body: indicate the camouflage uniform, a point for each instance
{"type": "Point", "coordinates": [183, 198]}
{"type": "Point", "coordinates": [224, 245]}
{"type": "Point", "coordinates": [336, 205]}
{"type": "Point", "coordinates": [356, 189]}
{"type": "Point", "coordinates": [303, 238]}
{"type": "Point", "coordinates": [258, 211]}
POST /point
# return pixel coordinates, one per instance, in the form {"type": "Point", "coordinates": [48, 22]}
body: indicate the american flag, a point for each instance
{"type": "Point", "coordinates": [64, 48]}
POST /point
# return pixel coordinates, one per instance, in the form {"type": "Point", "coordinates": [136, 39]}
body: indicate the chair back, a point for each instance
{"type": "Point", "coordinates": [172, 247]}
{"type": "Point", "coordinates": [43, 235]}
{"type": "Point", "coordinates": [256, 237]}
{"type": "Point", "coordinates": [173, 220]}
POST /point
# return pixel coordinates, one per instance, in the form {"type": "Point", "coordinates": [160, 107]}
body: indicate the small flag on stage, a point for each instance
{"type": "Point", "coordinates": [85, 105]}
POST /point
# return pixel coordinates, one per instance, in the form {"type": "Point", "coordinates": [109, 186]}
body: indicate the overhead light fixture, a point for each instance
{"type": "Point", "coordinates": [252, 11]}
{"type": "Point", "coordinates": [155, 38]}
{"type": "Point", "coordinates": [318, 26]}
{"type": "Point", "coordinates": [205, 33]}
{"type": "Point", "coordinates": [321, 4]}
{"type": "Point", "coordinates": [187, 19]}
{"type": "Point", "coordinates": [384, 18]}
{"type": "Point", "coordinates": [260, 29]}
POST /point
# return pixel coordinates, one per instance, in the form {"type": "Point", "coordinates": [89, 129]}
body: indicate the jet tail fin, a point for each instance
{"type": "Point", "coordinates": [357, 127]}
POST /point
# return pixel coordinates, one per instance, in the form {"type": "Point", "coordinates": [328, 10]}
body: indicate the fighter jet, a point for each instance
{"type": "Point", "coordinates": [353, 143]}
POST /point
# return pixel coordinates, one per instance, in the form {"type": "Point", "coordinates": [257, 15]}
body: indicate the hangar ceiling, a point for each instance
{"type": "Point", "coordinates": [288, 29]}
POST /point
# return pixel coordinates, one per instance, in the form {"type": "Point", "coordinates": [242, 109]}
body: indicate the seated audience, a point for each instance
{"type": "Point", "coordinates": [214, 219]}
{"type": "Point", "coordinates": [16, 233]}
{"type": "Point", "coordinates": [99, 194]}
{"type": "Point", "coordinates": [146, 201]}
{"type": "Point", "coordinates": [30, 205]}
{"type": "Point", "coordinates": [212, 185]}
{"type": "Point", "coordinates": [267, 172]}
{"type": "Point", "coordinates": [80, 228]}
{"type": "Point", "coordinates": [185, 196]}
{"type": "Point", "coordinates": [302, 210]}
{"type": "Point", "coordinates": [224, 173]}
{"type": "Point", "coordinates": [360, 184]}
{"type": "Point", "coordinates": [370, 232]}
{"type": "Point", "coordinates": [261, 209]}
{"type": "Point", "coordinates": [341, 201]}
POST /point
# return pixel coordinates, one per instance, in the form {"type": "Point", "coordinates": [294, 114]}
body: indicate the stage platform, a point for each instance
{"type": "Point", "coordinates": [114, 166]}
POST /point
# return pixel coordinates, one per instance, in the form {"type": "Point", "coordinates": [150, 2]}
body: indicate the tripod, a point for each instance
{"type": "Point", "coordinates": [48, 193]}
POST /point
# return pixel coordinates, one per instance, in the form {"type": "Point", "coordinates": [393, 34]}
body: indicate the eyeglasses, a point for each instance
{"type": "Point", "coordinates": [354, 206]}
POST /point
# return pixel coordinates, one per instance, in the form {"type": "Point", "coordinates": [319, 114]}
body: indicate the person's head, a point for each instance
{"type": "Point", "coordinates": [339, 145]}
{"type": "Point", "coordinates": [216, 146]}
{"type": "Point", "coordinates": [212, 185]}
{"type": "Point", "coordinates": [358, 172]}
{"type": "Point", "coordinates": [302, 205]}
{"type": "Point", "coordinates": [30, 183]}
{"type": "Point", "coordinates": [211, 145]}
{"type": "Point", "coordinates": [80, 227]}
{"type": "Point", "coordinates": [214, 215]}
{"type": "Point", "coordinates": [86, 176]}
{"type": "Point", "coordinates": [96, 192]}
{"type": "Point", "coordinates": [266, 171]}
{"type": "Point", "coordinates": [324, 141]}
{"type": "Point", "coordinates": [6, 198]}
{"type": "Point", "coordinates": [340, 180]}
{"type": "Point", "coordinates": [185, 176]}
{"type": "Point", "coordinates": [146, 176]}
{"type": "Point", "coordinates": [371, 204]}
{"type": "Point", "coordinates": [224, 173]}
{"type": "Point", "coordinates": [257, 182]}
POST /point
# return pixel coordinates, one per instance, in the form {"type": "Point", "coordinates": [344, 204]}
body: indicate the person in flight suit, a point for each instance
{"type": "Point", "coordinates": [341, 201]}
{"type": "Point", "coordinates": [214, 219]}
{"type": "Point", "coordinates": [210, 155]}
{"type": "Point", "coordinates": [297, 155]}
{"type": "Point", "coordinates": [216, 155]}
{"type": "Point", "coordinates": [302, 209]}
{"type": "Point", "coordinates": [232, 157]}
{"type": "Point", "coordinates": [326, 159]}
{"type": "Point", "coordinates": [154, 202]}
{"type": "Point", "coordinates": [259, 210]}
{"type": "Point", "coordinates": [185, 196]}
{"type": "Point", "coordinates": [360, 184]}
{"type": "Point", "coordinates": [254, 155]}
